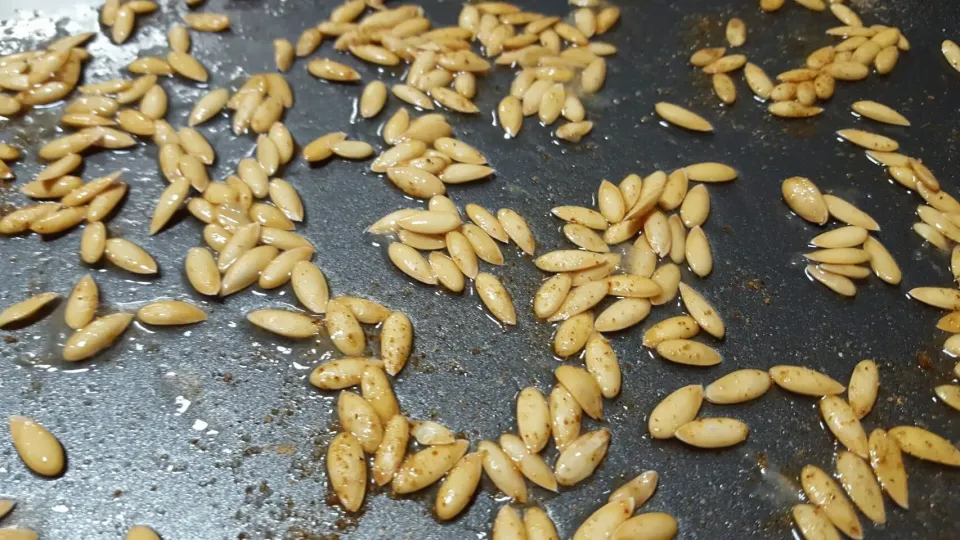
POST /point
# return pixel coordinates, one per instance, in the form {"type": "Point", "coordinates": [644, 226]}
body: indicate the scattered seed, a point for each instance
{"type": "Point", "coordinates": [39, 449]}
{"type": "Point", "coordinates": [805, 381]}
{"type": "Point", "coordinates": [824, 492]}
{"type": "Point", "coordinates": [684, 118]}
{"type": "Point", "coordinates": [887, 463]}
{"type": "Point", "coordinates": [96, 336]}
{"type": "Point", "coordinates": [858, 481]}
{"type": "Point", "coordinates": [581, 457]}
{"type": "Point", "coordinates": [427, 466]}
{"type": "Point", "coordinates": [812, 521]}
{"type": "Point", "coordinates": [882, 263]}
{"type": "Point", "coordinates": [951, 51]}
{"type": "Point", "coordinates": [843, 422]}
{"type": "Point", "coordinates": [713, 432]}
{"type": "Point", "coordinates": [923, 444]}
{"type": "Point", "coordinates": [25, 309]}
{"type": "Point", "coordinates": [347, 471]}
{"type": "Point", "coordinates": [459, 486]}
{"type": "Point", "coordinates": [170, 312]}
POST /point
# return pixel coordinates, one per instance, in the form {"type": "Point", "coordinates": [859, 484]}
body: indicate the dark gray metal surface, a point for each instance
{"type": "Point", "coordinates": [212, 431]}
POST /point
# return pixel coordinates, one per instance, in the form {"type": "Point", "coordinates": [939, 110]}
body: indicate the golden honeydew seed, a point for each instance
{"type": "Point", "coordinates": [583, 388]}
{"type": "Point", "coordinates": [725, 64]}
{"type": "Point", "coordinates": [572, 335]}
{"type": "Point", "coordinates": [324, 68]}
{"type": "Point", "coordinates": [924, 174]}
{"type": "Point", "coordinates": [573, 109]}
{"type": "Point", "coordinates": [843, 422]}
{"type": "Point", "coordinates": [551, 295]}
{"type": "Point", "coordinates": [713, 432]}
{"type": "Point", "coordinates": [530, 464]}
{"type": "Point", "coordinates": [823, 491]}
{"type": "Point", "coordinates": [698, 253]}
{"type": "Point", "coordinates": [270, 216]}
{"type": "Point", "coordinates": [502, 471]}
{"type": "Point", "coordinates": [657, 231]}
{"type": "Point", "coordinates": [565, 416]}
{"type": "Point", "coordinates": [149, 65]}
{"type": "Point", "coordinates": [949, 394]}
{"type": "Point", "coordinates": [650, 525]}
{"type": "Point", "coordinates": [187, 66]}
{"type": "Point", "coordinates": [154, 103]}
{"type": "Point", "coordinates": [496, 298]}
{"type": "Point", "coordinates": [538, 525]}
{"type": "Point", "coordinates": [93, 242]}
{"type": "Point", "coordinates": [123, 24]}
{"type": "Point", "coordinates": [344, 328]}
{"type": "Point", "coordinates": [603, 522]}
{"type": "Point", "coordinates": [533, 419]}
{"type": "Point", "coordinates": [266, 113]}
{"type": "Point", "coordinates": [803, 197]}
{"type": "Point", "coordinates": [710, 172]}
{"type": "Point", "coordinates": [696, 206]}
{"type": "Point", "coordinates": [278, 272]}
{"type": "Point", "coordinates": [462, 253]}
{"type": "Point", "coordinates": [684, 118]}
{"type": "Point", "coordinates": [724, 88]}
{"type": "Point", "coordinates": [459, 173]}
{"type": "Point", "coordinates": [178, 38]}
{"type": "Point", "coordinates": [447, 272]}
{"type": "Point", "coordinates": [702, 311]}
{"type": "Point", "coordinates": [283, 53]}
{"type": "Point", "coordinates": [170, 312]}
{"type": "Point", "coordinates": [574, 131]}
{"type": "Point", "coordinates": [567, 260]}
{"type": "Point", "coordinates": [845, 15]}
{"type": "Point", "coordinates": [868, 140]}
{"type": "Point", "coordinates": [783, 92]}
{"type": "Point", "coordinates": [366, 311]}
{"type": "Point", "coordinates": [602, 363]}
{"type": "Point", "coordinates": [940, 200]}
{"type": "Point", "coordinates": [253, 175]}
{"type": "Point", "coordinates": [798, 75]}
{"type": "Point", "coordinates": [195, 144]}
{"type": "Point", "coordinates": [510, 115]}
{"type": "Point", "coordinates": [585, 238]}
{"type": "Point", "coordinates": [25, 309]}
{"type": "Point", "coordinates": [358, 417]}
{"type": "Point", "coordinates": [393, 448]}
{"type": "Point", "coordinates": [285, 196]}
{"type": "Point", "coordinates": [484, 219]}
{"type": "Point", "coordinates": [517, 229]}
{"type": "Point", "coordinates": [310, 286]}
{"type": "Point", "coordinates": [416, 182]}
{"type": "Point", "coordinates": [581, 457]}
{"type": "Point", "coordinates": [843, 237]}
{"type": "Point", "coordinates": [20, 220]}
{"type": "Point", "coordinates": [244, 239]}
{"type": "Point", "coordinates": [821, 57]}
{"type": "Point", "coordinates": [923, 444]}
{"type": "Point", "coordinates": [507, 524]}
{"type": "Point", "coordinates": [202, 272]}
{"type": "Point", "coordinates": [141, 532]}
{"type": "Point", "coordinates": [484, 246]}
{"type": "Point", "coordinates": [421, 241]}
{"type": "Point", "coordinates": [343, 373]}
{"type": "Point", "coordinates": [858, 481]}
{"type": "Point", "coordinates": [586, 21]}
{"type": "Point", "coordinates": [887, 463]}
{"type": "Point", "coordinates": [951, 52]}
{"type": "Point", "coordinates": [459, 151]}
{"type": "Point", "coordinates": [458, 487]}
{"type": "Point", "coordinates": [429, 222]}
{"type": "Point", "coordinates": [87, 192]}
{"type": "Point", "coordinates": [129, 256]}
{"type": "Point", "coordinates": [623, 231]}
{"type": "Point", "coordinates": [951, 321]}
{"type": "Point", "coordinates": [736, 32]}
{"type": "Point", "coordinates": [879, 112]}
{"type": "Point", "coordinates": [805, 381]}
{"type": "Point", "coordinates": [347, 470]}
{"type": "Point", "coordinates": [373, 98]}
{"type": "Point", "coordinates": [59, 221]}
{"type": "Point", "coordinates": [51, 189]}
{"type": "Point", "coordinates": [308, 42]}
{"type": "Point", "coordinates": [758, 81]}
{"type": "Point", "coordinates": [170, 201]}
{"type": "Point", "coordinates": [849, 214]}
{"type": "Point", "coordinates": [890, 159]}
{"type": "Point", "coordinates": [208, 106]}
{"type": "Point", "coordinates": [738, 387]}
{"type": "Point", "coordinates": [96, 336]}
{"type": "Point", "coordinates": [691, 353]}
{"type": "Point", "coordinates": [668, 278]}
{"type": "Point", "coordinates": [837, 283]}
{"type": "Point", "coordinates": [640, 488]}
{"type": "Point", "coordinates": [246, 270]}
{"type": "Point", "coordinates": [73, 143]}
{"type": "Point", "coordinates": [396, 341]}
{"type": "Point", "coordinates": [39, 449]}
{"type": "Point", "coordinates": [82, 304]}
{"type": "Point", "coordinates": [207, 22]}
{"type": "Point", "coordinates": [59, 168]}
{"type": "Point", "coordinates": [400, 153]}
{"type": "Point", "coordinates": [452, 100]}
{"type": "Point", "coordinates": [593, 76]}
{"type": "Point", "coordinates": [707, 56]}
{"type": "Point", "coordinates": [793, 109]}
{"type": "Point", "coordinates": [931, 235]}
{"type": "Point", "coordinates": [882, 263]}
{"type": "Point", "coordinates": [812, 521]}
{"type": "Point", "coordinates": [631, 286]}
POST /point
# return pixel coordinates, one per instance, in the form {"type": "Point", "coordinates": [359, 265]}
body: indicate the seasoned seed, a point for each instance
{"type": "Point", "coordinates": [652, 525]}
{"type": "Point", "coordinates": [887, 463]}
{"type": "Point", "coordinates": [691, 353]}
{"type": "Point", "coordinates": [129, 256]}
{"type": "Point", "coordinates": [170, 312]}
{"type": "Point", "coordinates": [844, 424]}
{"type": "Point", "coordinates": [278, 272]}
{"type": "Point", "coordinates": [842, 237]}
{"type": "Point", "coordinates": [698, 253]}
{"type": "Point", "coordinates": [923, 444]}
{"type": "Point", "coordinates": [812, 521]}
{"type": "Point", "coordinates": [427, 466]}
{"type": "Point", "coordinates": [574, 131]}
{"type": "Point", "coordinates": [870, 141]}
{"type": "Point", "coordinates": [207, 22]}
{"type": "Point", "coordinates": [736, 32]}
{"type": "Point", "coordinates": [170, 201]}
{"type": "Point", "coordinates": [96, 336]}
{"type": "Point", "coordinates": [713, 432]}
{"type": "Point", "coordinates": [581, 457]}
{"type": "Point", "coordinates": [738, 387]}
{"type": "Point", "coordinates": [246, 270]}
{"type": "Point", "coordinates": [702, 311]}
{"type": "Point", "coordinates": [39, 449]}
{"type": "Point", "coordinates": [517, 229]}
{"type": "Point", "coordinates": [848, 213]}
{"type": "Point", "coordinates": [859, 483]}
{"type": "Point", "coordinates": [863, 387]}
{"type": "Point", "coordinates": [793, 109]}
{"type": "Point", "coordinates": [684, 118]}
{"type": "Point", "coordinates": [347, 470]}
{"type": "Point", "coordinates": [879, 112]}
{"type": "Point", "coordinates": [726, 64]}
{"type": "Point", "coordinates": [724, 88]}
{"type": "Point", "coordinates": [675, 410]}
{"type": "Point", "coordinates": [824, 492]}
{"type": "Point", "coordinates": [803, 197]}
{"type": "Point", "coordinates": [705, 57]}
{"type": "Point", "coordinates": [324, 68]}
{"type": "Point", "coordinates": [758, 81]}
{"type": "Point", "coordinates": [496, 298]}
{"type": "Point", "coordinates": [805, 381]}
{"type": "Point", "coordinates": [344, 328]}
{"type": "Point", "coordinates": [343, 373]}
{"type": "Point", "coordinates": [835, 282]}
{"type": "Point", "coordinates": [396, 341]}
{"type": "Point", "coordinates": [572, 335]}
{"type": "Point", "coordinates": [882, 263]}
{"type": "Point", "coordinates": [459, 486]}
{"type": "Point", "coordinates": [695, 207]}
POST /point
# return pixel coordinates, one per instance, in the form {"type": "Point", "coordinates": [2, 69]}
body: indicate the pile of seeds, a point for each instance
{"type": "Point", "coordinates": [843, 249]}
{"type": "Point", "coordinates": [797, 91]}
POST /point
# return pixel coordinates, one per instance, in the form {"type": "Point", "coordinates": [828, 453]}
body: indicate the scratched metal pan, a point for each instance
{"type": "Point", "coordinates": [212, 431]}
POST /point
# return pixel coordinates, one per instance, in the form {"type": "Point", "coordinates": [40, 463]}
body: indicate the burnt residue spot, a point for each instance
{"type": "Point", "coordinates": [924, 361]}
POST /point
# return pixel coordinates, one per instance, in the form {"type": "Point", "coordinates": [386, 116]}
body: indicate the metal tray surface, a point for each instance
{"type": "Point", "coordinates": [212, 431]}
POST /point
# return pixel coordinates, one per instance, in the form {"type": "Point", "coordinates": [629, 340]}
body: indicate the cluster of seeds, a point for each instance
{"type": "Point", "coordinates": [796, 91]}
{"type": "Point", "coordinates": [37, 78]}
{"type": "Point", "coordinates": [121, 18]}
{"type": "Point", "coordinates": [585, 277]}
{"type": "Point", "coordinates": [843, 249]}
